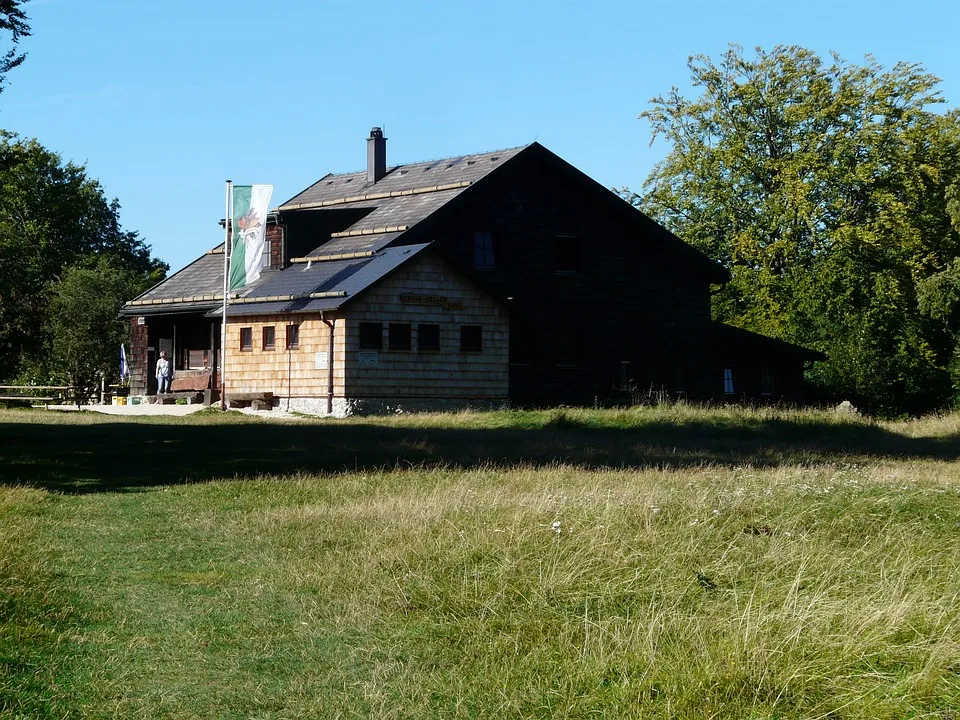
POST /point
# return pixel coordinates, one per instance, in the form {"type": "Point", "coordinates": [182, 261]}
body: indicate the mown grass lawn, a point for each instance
{"type": "Point", "coordinates": [660, 562]}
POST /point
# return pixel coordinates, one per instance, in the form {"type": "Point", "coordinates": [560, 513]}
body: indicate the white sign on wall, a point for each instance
{"type": "Point", "coordinates": [321, 361]}
{"type": "Point", "coordinates": [369, 357]}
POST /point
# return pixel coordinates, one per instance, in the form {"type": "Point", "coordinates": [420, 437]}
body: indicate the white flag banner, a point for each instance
{"type": "Point", "coordinates": [250, 203]}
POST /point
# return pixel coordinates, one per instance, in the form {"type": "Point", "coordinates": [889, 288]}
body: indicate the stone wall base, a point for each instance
{"type": "Point", "coordinates": [345, 407]}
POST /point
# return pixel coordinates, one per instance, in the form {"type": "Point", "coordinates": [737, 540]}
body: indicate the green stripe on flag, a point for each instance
{"type": "Point", "coordinates": [238, 265]}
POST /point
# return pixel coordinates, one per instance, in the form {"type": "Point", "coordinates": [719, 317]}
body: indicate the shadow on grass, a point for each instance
{"type": "Point", "coordinates": [125, 455]}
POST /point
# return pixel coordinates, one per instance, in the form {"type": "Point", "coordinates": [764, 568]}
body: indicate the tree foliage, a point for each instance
{"type": "Point", "coordinates": [52, 218]}
{"type": "Point", "coordinates": [82, 321]}
{"type": "Point", "coordinates": [14, 21]}
{"type": "Point", "coordinates": [824, 187]}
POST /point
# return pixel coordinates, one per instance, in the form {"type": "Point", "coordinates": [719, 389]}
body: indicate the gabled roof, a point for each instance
{"type": "Point", "coordinates": [722, 332]}
{"type": "Point", "coordinates": [405, 196]}
{"type": "Point", "coordinates": [409, 194]}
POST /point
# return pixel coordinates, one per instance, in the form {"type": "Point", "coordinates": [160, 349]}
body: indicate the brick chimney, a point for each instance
{"type": "Point", "coordinates": [376, 155]}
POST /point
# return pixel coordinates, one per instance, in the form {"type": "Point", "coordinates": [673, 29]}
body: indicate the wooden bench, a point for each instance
{"type": "Point", "coordinates": [255, 400]}
{"type": "Point", "coordinates": [19, 393]}
{"type": "Point", "coordinates": [189, 385]}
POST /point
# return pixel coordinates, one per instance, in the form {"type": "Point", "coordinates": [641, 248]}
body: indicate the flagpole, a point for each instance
{"type": "Point", "coordinates": [223, 315]}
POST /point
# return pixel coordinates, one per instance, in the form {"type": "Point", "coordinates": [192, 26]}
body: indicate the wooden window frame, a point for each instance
{"type": "Point", "coordinates": [399, 337]}
{"type": "Point", "coordinates": [567, 247]}
{"type": "Point", "coordinates": [569, 351]}
{"type": "Point", "coordinates": [271, 345]}
{"type": "Point", "coordinates": [420, 345]}
{"type": "Point", "coordinates": [484, 251]}
{"type": "Point", "coordinates": [767, 381]}
{"type": "Point", "coordinates": [369, 346]}
{"type": "Point", "coordinates": [729, 382]}
{"type": "Point", "coordinates": [464, 348]}
{"type": "Point", "coordinates": [246, 333]}
{"type": "Point", "coordinates": [293, 338]}
{"type": "Point", "coordinates": [266, 256]}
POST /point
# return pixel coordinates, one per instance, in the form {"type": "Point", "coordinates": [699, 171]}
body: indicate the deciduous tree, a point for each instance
{"type": "Point", "coordinates": [13, 21]}
{"type": "Point", "coordinates": [82, 321]}
{"type": "Point", "coordinates": [822, 186]}
{"type": "Point", "coordinates": [52, 217]}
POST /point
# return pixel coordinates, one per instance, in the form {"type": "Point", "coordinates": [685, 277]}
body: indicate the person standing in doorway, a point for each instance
{"type": "Point", "coordinates": [163, 374]}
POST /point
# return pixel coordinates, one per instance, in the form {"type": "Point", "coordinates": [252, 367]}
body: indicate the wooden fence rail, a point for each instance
{"type": "Point", "coordinates": [51, 393]}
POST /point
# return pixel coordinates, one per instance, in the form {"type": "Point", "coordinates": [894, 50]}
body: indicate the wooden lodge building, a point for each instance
{"type": "Point", "coordinates": [504, 277]}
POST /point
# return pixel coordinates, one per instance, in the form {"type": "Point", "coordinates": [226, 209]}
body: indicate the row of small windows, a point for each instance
{"type": "Point", "coordinates": [428, 337]}
{"type": "Point", "coordinates": [371, 337]}
{"type": "Point", "coordinates": [269, 338]}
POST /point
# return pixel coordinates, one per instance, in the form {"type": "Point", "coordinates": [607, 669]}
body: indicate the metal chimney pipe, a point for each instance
{"type": "Point", "coordinates": [376, 155]}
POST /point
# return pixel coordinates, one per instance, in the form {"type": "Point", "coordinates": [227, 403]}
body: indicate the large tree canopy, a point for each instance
{"type": "Point", "coordinates": [52, 218]}
{"type": "Point", "coordinates": [824, 188]}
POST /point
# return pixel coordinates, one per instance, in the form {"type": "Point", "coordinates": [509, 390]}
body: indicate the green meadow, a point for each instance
{"type": "Point", "coordinates": [662, 562]}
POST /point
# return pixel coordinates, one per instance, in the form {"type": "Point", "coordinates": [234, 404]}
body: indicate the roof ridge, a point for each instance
{"type": "Point", "coordinates": [426, 162]}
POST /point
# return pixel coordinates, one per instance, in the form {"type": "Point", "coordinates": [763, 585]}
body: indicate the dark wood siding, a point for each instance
{"type": "Point", "coordinates": [619, 297]}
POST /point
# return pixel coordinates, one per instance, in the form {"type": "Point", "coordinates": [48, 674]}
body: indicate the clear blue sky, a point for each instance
{"type": "Point", "coordinates": [163, 101]}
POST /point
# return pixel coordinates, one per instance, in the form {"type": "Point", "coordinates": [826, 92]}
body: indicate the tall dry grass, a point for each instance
{"type": "Point", "coordinates": [821, 589]}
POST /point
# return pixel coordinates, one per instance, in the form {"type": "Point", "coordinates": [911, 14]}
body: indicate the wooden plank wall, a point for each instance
{"type": "Point", "coordinates": [285, 373]}
{"type": "Point", "coordinates": [448, 373]}
{"type": "Point", "coordinates": [137, 359]}
{"type": "Point", "coordinates": [631, 299]}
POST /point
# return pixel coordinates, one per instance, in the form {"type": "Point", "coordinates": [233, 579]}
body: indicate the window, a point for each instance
{"type": "Point", "coordinates": [246, 339]}
{"type": "Point", "coordinates": [566, 254]}
{"type": "Point", "coordinates": [568, 346]}
{"type": "Point", "coordinates": [428, 337]}
{"type": "Point", "coordinates": [293, 337]}
{"type": "Point", "coordinates": [766, 381]}
{"type": "Point", "coordinates": [483, 256]}
{"type": "Point", "coordinates": [265, 256]}
{"type": "Point", "coordinates": [728, 381]}
{"type": "Point", "coordinates": [524, 342]}
{"type": "Point", "coordinates": [269, 337]}
{"type": "Point", "coordinates": [196, 359]}
{"type": "Point", "coordinates": [471, 338]}
{"type": "Point", "coordinates": [371, 336]}
{"type": "Point", "coordinates": [398, 336]}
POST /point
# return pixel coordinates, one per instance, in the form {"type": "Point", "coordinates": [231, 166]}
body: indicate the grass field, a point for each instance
{"type": "Point", "coordinates": [668, 562]}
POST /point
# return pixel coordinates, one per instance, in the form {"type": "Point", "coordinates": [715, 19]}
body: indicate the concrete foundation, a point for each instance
{"type": "Point", "coordinates": [346, 407]}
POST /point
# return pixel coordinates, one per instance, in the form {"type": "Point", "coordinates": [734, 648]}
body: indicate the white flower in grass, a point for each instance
{"type": "Point", "coordinates": [556, 527]}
